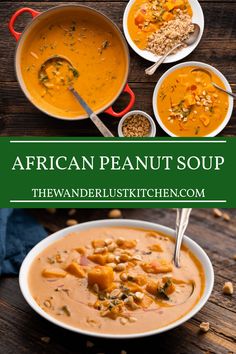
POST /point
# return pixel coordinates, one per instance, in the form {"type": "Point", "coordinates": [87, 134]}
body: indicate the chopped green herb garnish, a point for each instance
{"type": "Point", "coordinates": [66, 310]}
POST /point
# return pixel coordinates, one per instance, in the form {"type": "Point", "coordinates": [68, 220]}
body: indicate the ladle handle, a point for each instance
{"type": "Point", "coordinates": [151, 70]}
{"type": "Point", "coordinates": [16, 34]}
{"type": "Point", "coordinates": [96, 121]}
{"type": "Point", "coordinates": [101, 127]}
{"type": "Point", "coordinates": [182, 219]}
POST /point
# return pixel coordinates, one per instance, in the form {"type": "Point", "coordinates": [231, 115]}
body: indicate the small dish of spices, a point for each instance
{"type": "Point", "coordinates": [136, 124]}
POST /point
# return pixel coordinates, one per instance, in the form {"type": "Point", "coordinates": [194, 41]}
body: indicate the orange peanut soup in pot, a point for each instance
{"type": "Point", "coordinates": [99, 63]}
{"type": "Point", "coordinates": [116, 280]}
{"type": "Point", "coordinates": [189, 105]}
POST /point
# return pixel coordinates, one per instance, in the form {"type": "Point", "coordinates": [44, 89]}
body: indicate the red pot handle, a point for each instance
{"type": "Point", "coordinates": [129, 106]}
{"type": "Point", "coordinates": [32, 12]}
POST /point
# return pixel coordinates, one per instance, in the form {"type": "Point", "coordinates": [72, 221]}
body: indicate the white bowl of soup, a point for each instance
{"type": "Point", "coordinates": [143, 17]}
{"type": "Point", "coordinates": [96, 65]}
{"type": "Point", "coordinates": [116, 279]}
{"type": "Point", "coordinates": [186, 104]}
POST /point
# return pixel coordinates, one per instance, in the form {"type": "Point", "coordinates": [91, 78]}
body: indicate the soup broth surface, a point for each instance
{"type": "Point", "coordinates": [189, 105]}
{"type": "Point", "coordinates": [116, 280]}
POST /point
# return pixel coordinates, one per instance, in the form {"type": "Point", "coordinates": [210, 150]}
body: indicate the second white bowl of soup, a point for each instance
{"type": "Point", "coordinates": [186, 104]}
{"type": "Point", "coordinates": [116, 279]}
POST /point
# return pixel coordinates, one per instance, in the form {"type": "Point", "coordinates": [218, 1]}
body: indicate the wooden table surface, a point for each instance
{"type": "Point", "coordinates": [19, 118]}
{"type": "Point", "coordinates": [21, 329]}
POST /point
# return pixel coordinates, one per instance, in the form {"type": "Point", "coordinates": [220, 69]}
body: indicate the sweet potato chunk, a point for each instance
{"type": "Point", "coordinates": [189, 100]}
{"type": "Point", "coordinates": [126, 243]}
{"type": "Point", "coordinates": [152, 287]}
{"type": "Point", "coordinates": [155, 248]}
{"type": "Point", "coordinates": [75, 269]}
{"type": "Point", "coordinates": [141, 280]}
{"type": "Point", "coordinates": [98, 243]}
{"type": "Point", "coordinates": [102, 276]}
{"type": "Point", "coordinates": [169, 5]}
{"type": "Point", "coordinates": [98, 258]}
{"type": "Point", "coordinates": [53, 273]}
{"type": "Point", "coordinates": [167, 16]}
{"type": "Point", "coordinates": [81, 250]}
{"type": "Point", "coordinates": [156, 267]}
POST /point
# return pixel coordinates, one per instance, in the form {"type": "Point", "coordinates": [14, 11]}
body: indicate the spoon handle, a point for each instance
{"type": "Point", "coordinates": [182, 219]}
{"type": "Point", "coordinates": [221, 89]}
{"type": "Point", "coordinates": [151, 70]}
{"type": "Point", "coordinates": [94, 118]}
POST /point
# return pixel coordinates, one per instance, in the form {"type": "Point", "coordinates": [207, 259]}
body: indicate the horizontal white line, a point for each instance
{"type": "Point", "coordinates": [117, 201]}
{"type": "Point", "coordinates": [115, 141]}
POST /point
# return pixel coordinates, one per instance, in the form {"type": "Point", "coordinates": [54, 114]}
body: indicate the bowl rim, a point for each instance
{"type": "Point", "coordinates": [17, 58]}
{"type": "Point", "coordinates": [202, 65]}
{"type": "Point", "coordinates": [137, 111]}
{"type": "Point", "coordinates": [174, 57]}
{"type": "Point", "coordinates": [194, 247]}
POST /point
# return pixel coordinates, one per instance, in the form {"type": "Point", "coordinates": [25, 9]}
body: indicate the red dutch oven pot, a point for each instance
{"type": "Point", "coordinates": [54, 11]}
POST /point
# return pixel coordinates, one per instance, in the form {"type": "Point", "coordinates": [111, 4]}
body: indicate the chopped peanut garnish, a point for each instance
{"type": "Point", "coordinates": [204, 326]}
{"type": "Point", "coordinates": [228, 288]}
{"type": "Point", "coordinates": [217, 213]}
{"type": "Point", "coordinates": [71, 222]}
{"type": "Point", "coordinates": [226, 217]}
{"type": "Point", "coordinates": [115, 214]}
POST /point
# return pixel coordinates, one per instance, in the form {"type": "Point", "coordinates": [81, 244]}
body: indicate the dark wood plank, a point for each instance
{"type": "Point", "coordinates": [21, 329]}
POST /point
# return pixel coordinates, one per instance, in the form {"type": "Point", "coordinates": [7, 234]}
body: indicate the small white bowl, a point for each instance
{"type": "Point", "coordinates": [193, 247]}
{"type": "Point", "coordinates": [200, 65]}
{"type": "Point", "coordinates": [152, 123]}
{"type": "Point", "coordinates": [197, 18]}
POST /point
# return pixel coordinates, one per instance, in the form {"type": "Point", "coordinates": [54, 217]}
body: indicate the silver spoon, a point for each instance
{"type": "Point", "coordinates": [182, 219]}
{"type": "Point", "coordinates": [213, 83]}
{"type": "Point", "coordinates": [42, 76]}
{"type": "Point", "coordinates": [189, 41]}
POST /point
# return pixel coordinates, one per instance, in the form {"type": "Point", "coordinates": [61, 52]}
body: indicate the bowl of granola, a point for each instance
{"type": "Point", "coordinates": [153, 27]}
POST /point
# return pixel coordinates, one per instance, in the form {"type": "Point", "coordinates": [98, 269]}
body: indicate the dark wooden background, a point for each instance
{"type": "Point", "coordinates": [21, 329]}
{"type": "Point", "coordinates": [19, 118]}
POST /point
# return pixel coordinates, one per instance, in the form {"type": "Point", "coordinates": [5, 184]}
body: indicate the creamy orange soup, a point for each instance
{"type": "Point", "coordinates": [147, 16]}
{"type": "Point", "coordinates": [189, 105]}
{"type": "Point", "coordinates": [116, 280]}
{"type": "Point", "coordinates": [96, 52]}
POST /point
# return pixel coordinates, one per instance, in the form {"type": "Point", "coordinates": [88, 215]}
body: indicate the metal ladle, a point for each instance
{"type": "Point", "coordinates": [182, 219]}
{"type": "Point", "coordinates": [94, 118]}
{"type": "Point", "coordinates": [213, 83]}
{"type": "Point", "coordinates": [189, 41]}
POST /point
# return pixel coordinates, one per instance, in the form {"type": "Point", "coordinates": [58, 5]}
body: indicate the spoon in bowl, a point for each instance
{"type": "Point", "coordinates": [58, 61]}
{"type": "Point", "coordinates": [182, 219]}
{"type": "Point", "coordinates": [213, 83]}
{"type": "Point", "coordinates": [189, 41]}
